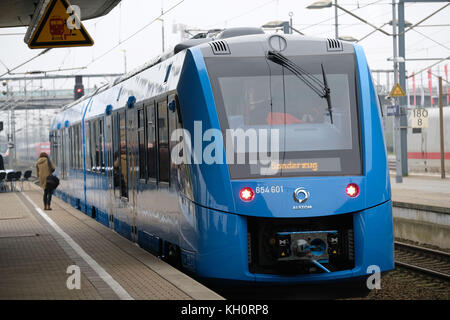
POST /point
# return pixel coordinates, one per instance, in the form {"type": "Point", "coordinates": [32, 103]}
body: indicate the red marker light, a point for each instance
{"type": "Point", "coordinates": [352, 190]}
{"type": "Point", "coordinates": [79, 90]}
{"type": "Point", "coordinates": [247, 194]}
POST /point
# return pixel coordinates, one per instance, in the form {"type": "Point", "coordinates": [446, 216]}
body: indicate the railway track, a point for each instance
{"type": "Point", "coordinates": [431, 262]}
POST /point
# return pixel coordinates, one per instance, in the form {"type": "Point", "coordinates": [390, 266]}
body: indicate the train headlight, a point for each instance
{"type": "Point", "coordinates": [352, 190]}
{"type": "Point", "coordinates": [247, 194]}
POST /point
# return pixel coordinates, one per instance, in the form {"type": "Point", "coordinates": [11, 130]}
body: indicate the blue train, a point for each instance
{"type": "Point", "coordinates": [308, 201]}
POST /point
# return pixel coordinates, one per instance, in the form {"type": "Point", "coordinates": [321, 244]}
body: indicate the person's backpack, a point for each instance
{"type": "Point", "coordinates": [51, 182]}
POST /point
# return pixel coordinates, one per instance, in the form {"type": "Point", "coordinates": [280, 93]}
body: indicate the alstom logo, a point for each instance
{"type": "Point", "coordinates": [301, 196]}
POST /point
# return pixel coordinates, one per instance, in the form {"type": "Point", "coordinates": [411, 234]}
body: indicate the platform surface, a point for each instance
{"type": "Point", "coordinates": [39, 251]}
{"type": "Point", "coordinates": [423, 190]}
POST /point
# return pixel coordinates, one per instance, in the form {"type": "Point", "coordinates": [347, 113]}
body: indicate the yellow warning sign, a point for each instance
{"type": "Point", "coordinates": [58, 27]}
{"type": "Point", "coordinates": [397, 91]}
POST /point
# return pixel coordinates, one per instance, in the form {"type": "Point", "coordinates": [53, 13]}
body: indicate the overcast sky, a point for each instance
{"type": "Point", "coordinates": [131, 15]}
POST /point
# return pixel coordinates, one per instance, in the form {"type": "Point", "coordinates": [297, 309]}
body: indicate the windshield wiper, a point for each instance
{"type": "Point", "coordinates": [319, 87]}
{"type": "Point", "coordinates": [327, 93]}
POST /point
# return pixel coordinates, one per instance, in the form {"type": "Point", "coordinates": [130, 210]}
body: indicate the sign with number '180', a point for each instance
{"type": "Point", "coordinates": [419, 118]}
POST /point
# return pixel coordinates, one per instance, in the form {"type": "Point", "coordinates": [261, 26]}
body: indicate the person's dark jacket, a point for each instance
{"type": "Point", "coordinates": [2, 166]}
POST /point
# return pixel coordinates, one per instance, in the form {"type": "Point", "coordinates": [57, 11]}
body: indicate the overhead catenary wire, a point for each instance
{"type": "Point", "coordinates": [339, 15]}
{"type": "Point", "coordinates": [426, 18]}
{"type": "Point", "coordinates": [4, 65]}
{"type": "Point", "coordinates": [24, 63]}
{"type": "Point", "coordinates": [430, 66]}
{"type": "Point", "coordinates": [431, 39]}
{"type": "Point", "coordinates": [135, 33]}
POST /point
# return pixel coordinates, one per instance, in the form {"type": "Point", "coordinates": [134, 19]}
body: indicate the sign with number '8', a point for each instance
{"type": "Point", "coordinates": [419, 118]}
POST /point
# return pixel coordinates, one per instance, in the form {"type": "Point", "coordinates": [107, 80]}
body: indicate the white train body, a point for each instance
{"type": "Point", "coordinates": [424, 153]}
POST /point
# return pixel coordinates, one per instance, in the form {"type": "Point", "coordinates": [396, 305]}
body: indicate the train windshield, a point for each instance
{"type": "Point", "coordinates": [278, 126]}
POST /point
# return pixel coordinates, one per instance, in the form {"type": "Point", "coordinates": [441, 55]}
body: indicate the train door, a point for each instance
{"type": "Point", "coordinates": [131, 138]}
{"type": "Point", "coordinates": [63, 144]}
{"type": "Point", "coordinates": [122, 207]}
{"type": "Point", "coordinates": [109, 165]}
{"type": "Point", "coordinates": [163, 145]}
{"type": "Point", "coordinates": [65, 157]}
{"type": "Point", "coordinates": [141, 169]}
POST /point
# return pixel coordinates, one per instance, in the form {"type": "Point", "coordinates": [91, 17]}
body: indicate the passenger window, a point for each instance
{"type": "Point", "coordinates": [75, 141]}
{"type": "Point", "coordinates": [95, 149]}
{"type": "Point", "coordinates": [78, 142]}
{"type": "Point", "coordinates": [163, 142]}
{"type": "Point", "coordinates": [62, 165]}
{"type": "Point", "coordinates": [116, 155]}
{"type": "Point", "coordinates": [141, 145]}
{"type": "Point", "coordinates": [123, 156]}
{"type": "Point", "coordinates": [173, 125]}
{"type": "Point", "coordinates": [80, 147]}
{"type": "Point", "coordinates": [88, 153]}
{"type": "Point", "coordinates": [101, 160]}
{"type": "Point", "coordinates": [71, 145]}
{"type": "Point", "coordinates": [151, 142]}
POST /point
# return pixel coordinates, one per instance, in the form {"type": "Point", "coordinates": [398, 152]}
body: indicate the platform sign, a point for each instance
{"type": "Point", "coordinates": [59, 27]}
{"type": "Point", "coordinates": [393, 110]}
{"type": "Point", "coordinates": [397, 91]}
{"type": "Point", "coordinates": [419, 118]}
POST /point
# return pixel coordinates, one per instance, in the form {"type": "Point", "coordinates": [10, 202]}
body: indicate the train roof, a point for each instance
{"type": "Point", "coordinates": [239, 42]}
{"type": "Point", "coordinates": [245, 37]}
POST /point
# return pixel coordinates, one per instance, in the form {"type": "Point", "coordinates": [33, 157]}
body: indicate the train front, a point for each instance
{"type": "Point", "coordinates": [303, 192]}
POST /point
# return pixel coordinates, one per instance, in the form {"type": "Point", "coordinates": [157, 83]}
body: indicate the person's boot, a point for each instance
{"type": "Point", "coordinates": [45, 206]}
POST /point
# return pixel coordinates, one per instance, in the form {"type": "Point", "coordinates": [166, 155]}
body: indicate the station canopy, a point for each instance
{"type": "Point", "coordinates": [18, 13]}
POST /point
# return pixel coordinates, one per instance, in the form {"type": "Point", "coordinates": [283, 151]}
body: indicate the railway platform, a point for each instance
{"type": "Point", "coordinates": [421, 209]}
{"type": "Point", "coordinates": [63, 254]}
{"type": "Point", "coordinates": [422, 190]}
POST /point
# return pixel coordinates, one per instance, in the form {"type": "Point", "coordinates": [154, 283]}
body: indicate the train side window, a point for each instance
{"type": "Point", "coordinates": [141, 144]}
{"type": "Point", "coordinates": [54, 148]}
{"type": "Point", "coordinates": [75, 156]}
{"type": "Point", "coordinates": [123, 156]}
{"type": "Point", "coordinates": [60, 147]}
{"type": "Point", "coordinates": [87, 142]}
{"type": "Point", "coordinates": [70, 148]}
{"type": "Point", "coordinates": [62, 160]}
{"type": "Point", "coordinates": [94, 144]}
{"type": "Point", "coordinates": [65, 156]}
{"type": "Point", "coordinates": [57, 147]}
{"type": "Point", "coordinates": [91, 145]}
{"type": "Point", "coordinates": [74, 142]}
{"type": "Point", "coordinates": [73, 145]}
{"type": "Point", "coordinates": [173, 125]}
{"type": "Point", "coordinates": [151, 142]}
{"type": "Point", "coordinates": [51, 142]}
{"type": "Point", "coordinates": [80, 147]}
{"type": "Point", "coordinates": [116, 154]}
{"type": "Point", "coordinates": [97, 139]}
{"type": "Point", "coordinates": [101, 146]}
{"type": "Point", "coordinates": [94, 150]}
{"type": "Point", "coordinates": [163, 142]}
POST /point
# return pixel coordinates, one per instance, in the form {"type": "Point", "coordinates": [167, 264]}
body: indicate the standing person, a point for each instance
{"type": "Point", "coordinates": [44, 167]}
